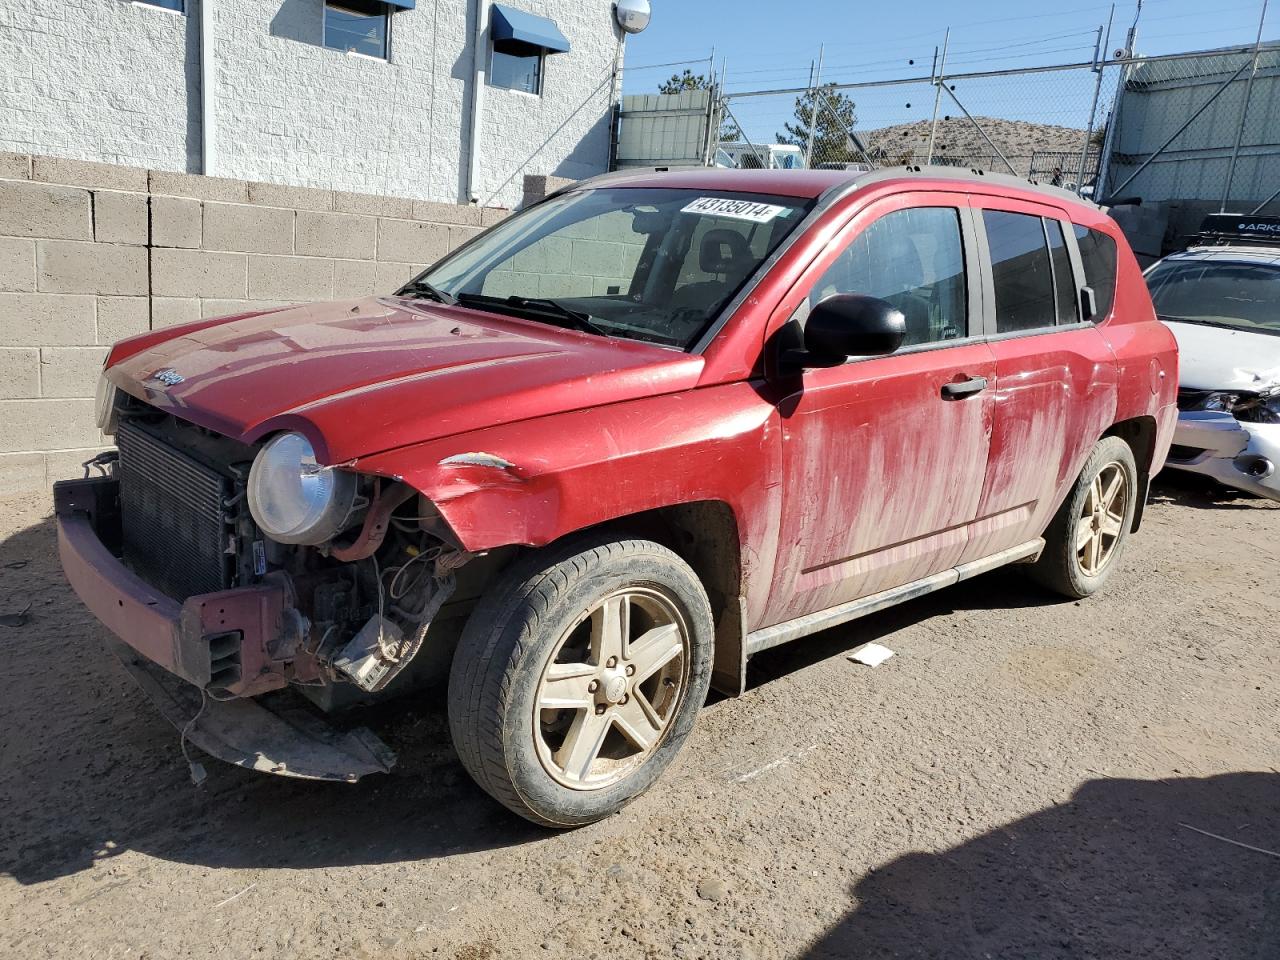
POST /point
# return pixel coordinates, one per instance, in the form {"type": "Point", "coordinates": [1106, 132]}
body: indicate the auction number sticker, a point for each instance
{"type": "Point", "coordinates": [733, 209]}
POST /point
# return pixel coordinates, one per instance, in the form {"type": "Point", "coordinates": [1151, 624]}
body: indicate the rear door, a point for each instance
{"type": "Point", "coordinates": [1055, 375]}
{"type": "Point", "coordinates": [885, 457]}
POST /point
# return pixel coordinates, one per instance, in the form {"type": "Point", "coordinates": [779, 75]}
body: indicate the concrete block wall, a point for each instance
{"type": "Point", "coordinates": [91, 253]}
{"type": "Point", "coordinates": [113, 81]}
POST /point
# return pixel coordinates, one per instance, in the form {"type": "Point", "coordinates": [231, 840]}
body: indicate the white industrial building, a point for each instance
{"type": "Point", "coordinates": [444, 100]}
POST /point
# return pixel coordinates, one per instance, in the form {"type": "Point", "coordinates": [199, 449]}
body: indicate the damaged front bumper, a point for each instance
{"type": "Point", "coordinates": [1217, 445]}
{"type": "Point", "coordinates": [219, 642]}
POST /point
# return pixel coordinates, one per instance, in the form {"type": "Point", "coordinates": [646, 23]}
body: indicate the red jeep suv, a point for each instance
{"type": "Point", "coordinates": [591, 462]}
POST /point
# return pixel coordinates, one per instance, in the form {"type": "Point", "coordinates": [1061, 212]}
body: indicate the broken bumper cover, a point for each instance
{"type": "Point", "coordinates": [1239, 455]}
{"type": "Point", "coordinates": [178, 652]}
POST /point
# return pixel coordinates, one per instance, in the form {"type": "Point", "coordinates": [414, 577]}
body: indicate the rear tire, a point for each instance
{"type": "Point", "coordinates": [1086, 538]}
{"type": "Point", "coordinates": [579, 676]}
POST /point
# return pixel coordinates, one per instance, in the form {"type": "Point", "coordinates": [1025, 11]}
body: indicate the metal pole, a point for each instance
{"type": "Point", "coordinates": [1177, 133]}
{"type": "Point", "coordinates": [937, 96]}
{"type": "Point", "coordinates": [711, 108]}
{"type": "Point", "coordinates": [1258, 208]}
{"type": "Point", "coordinates": [813, 109]}
{"type": "Point", "coordinates": [853, 137]}
{"type": "Point", "coordinates": [978, 127]}
{"type": "Point", "coordinates": [1097, 93]}
{"type": "Point", "coordinates": [1244, 111]}
{"type": "Point", "coordinates": [208, 100]}
{"type": "Point", "coordinates": [764, 157]}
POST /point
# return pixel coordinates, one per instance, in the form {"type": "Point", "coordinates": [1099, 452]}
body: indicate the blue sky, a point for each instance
{"type": "Point", "coordinates": [771, 45]}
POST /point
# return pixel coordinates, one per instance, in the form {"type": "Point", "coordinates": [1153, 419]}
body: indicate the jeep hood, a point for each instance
{"type": "Point", "coordinates": [1215, 358]}
{"type": "Point", "coordinates": [360, 377]}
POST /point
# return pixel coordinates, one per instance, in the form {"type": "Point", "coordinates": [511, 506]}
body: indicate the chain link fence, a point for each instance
{"type": "Point", "coordinates": [1182, 135]}
{"type": "Point", "coordinates": [1203, 127]}
{"type": "Point", "coordinates": [1046, 124]}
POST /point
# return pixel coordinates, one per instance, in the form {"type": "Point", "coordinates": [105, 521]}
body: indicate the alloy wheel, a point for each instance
{"type": "Point", "coordinates": [1101, 523]}
{"type": "Point", "coordinates": [610, 689]}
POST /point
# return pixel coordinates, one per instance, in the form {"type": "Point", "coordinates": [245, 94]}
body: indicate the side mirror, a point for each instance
{"type": "Point", "coordinates": [849, 325]}
{"type": "Point", "coordinates": [1088, 303]}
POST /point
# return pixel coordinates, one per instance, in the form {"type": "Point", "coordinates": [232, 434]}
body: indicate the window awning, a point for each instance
{"type": "Point", "coordinates": [507, 23]}
{"type": "Point", "coordinates": [402, 4]}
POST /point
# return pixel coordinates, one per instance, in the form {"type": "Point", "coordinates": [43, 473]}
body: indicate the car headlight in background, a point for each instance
{"type": "Point", "coordinates": [105, 405]}
{"type": "Point", "coordinates": [293, 498]}
{"type": "Point", "coordinates": [1258, 409]}
{"type": "Point", "coordinates": [1245, 407]}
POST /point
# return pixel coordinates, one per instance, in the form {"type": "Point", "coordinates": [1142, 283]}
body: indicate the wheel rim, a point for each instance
{"type": "Point", "coordinates": [611, 688]}
{"type": "Point", "coordinates": [1101, 524]}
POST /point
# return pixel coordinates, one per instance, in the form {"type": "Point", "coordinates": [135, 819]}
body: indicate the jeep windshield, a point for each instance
{"type": "Point", "coordinates": [1239, 296]}
{"type": "Point", "coordinates": [657, 265]}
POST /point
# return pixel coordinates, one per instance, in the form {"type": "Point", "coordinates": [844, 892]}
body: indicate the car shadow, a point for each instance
{"type": "Point", "coordinates": [89, 769]}
{"type": "Point", "coordinates": [1185, 489]}
{"type": "Point", "coordinates": [1003, 589]}
{"type": "Point", "coordinates": [1117, 871]}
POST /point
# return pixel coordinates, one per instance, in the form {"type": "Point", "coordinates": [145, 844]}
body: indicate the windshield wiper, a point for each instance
{"type": "Point", "coordinates": [421, 288]}
{"type": "Point", "coordinates": [543, 305]}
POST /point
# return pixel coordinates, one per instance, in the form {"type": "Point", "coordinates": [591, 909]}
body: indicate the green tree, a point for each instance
{"type": "Point", "coordinates": [680, 82]}
{"type": "Point", "coordinates": [836, 115]}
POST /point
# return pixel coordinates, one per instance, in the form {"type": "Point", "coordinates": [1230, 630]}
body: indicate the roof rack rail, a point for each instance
{"type": "Point", "coordinates": [1221, 229]}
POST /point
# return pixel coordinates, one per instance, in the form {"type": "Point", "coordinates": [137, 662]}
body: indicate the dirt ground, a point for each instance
{"type": "Point", "coordinates": [1027, 778]}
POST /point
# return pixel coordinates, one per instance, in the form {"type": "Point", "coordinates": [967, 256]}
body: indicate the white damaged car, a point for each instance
{"type": "Point", "coordinates": [1221, 299]}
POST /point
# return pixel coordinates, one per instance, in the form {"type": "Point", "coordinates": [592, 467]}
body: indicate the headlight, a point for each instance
{"type": "Point", "coordinates": [105, 405]}
{"type": "Point", "coordinates": [293, 498]}
{"type": "Point", "coordinates": [1221, 402]}
{"type": "Point", "coordinates": [1259, 410]}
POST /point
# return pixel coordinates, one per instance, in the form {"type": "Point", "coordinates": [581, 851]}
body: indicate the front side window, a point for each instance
{"type": "Point", "coordinates": [1238, 296]}
{"type": "Point", "coordinates": [1021, 269]}
{"type": "Point", "coordinates": [914, 259]}
{"type": "Point", "coordinates": [357, 26]}
{"type": "Point", "coordinates": [1098, 253]}
{"type": "Point", "coordinates": [516, 66]}
{"type": "Point", "coordinates": [644, 263]}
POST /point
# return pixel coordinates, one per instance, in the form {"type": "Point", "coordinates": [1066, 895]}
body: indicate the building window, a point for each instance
{"type": "Point", "coordinates": [516, 66]}
{"type": "Point", "coordinates": [175, 5]}
{"type": "Point", "coordinates": [357, 26]}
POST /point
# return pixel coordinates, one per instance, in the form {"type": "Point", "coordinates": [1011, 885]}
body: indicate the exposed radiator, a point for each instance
{"type": "Point", "coordinates": [171, 508]}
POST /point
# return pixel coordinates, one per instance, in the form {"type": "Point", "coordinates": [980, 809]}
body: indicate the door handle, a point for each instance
{"type": "Point", "coordinates": [964, 388]}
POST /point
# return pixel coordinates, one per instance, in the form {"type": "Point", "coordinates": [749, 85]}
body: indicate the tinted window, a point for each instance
{"type": "Point", "coordinates": [1020, 266]}
{"type": "Point", "coordinates": [357, 26]}
{"type": "Point", "coordinates": [1064, 281]}
{"type": "Point", "coordinates": [516, 66]}
{"type": "Point", "coordinates": [1244, 296]}
{"type": "Point", "coordinates": [1098, 251]}
{"type": "Point", "coordinates": [915, 260]}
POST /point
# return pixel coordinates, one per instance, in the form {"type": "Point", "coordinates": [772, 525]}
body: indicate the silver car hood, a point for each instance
{"type": "Point", "coordinates": [1215, 358]}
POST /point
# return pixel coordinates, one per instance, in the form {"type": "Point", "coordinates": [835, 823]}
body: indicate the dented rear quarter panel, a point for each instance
{"type": "Point", "coordinates": [1145, 350]}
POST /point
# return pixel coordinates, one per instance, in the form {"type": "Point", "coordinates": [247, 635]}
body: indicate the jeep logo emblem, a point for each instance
{"type": "Point", "coordinates": [168, 376]}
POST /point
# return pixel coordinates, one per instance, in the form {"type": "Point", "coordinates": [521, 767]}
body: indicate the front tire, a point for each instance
{"type": "Point", "coordinates": [579, 676]}
{"type": "Point", "coordinates": [1086, 538]}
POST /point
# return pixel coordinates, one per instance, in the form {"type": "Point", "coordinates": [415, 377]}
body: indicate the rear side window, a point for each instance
{"type": "Point", "coordinates": [1064, 281]}
{"type": "Point", "coordinates": [1021, 269]}
{"type": "Point", "coordinates": [1098, 251]}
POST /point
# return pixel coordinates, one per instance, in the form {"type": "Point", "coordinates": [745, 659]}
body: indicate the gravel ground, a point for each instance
{"type": "Point", "coordinates": [1021, 781]}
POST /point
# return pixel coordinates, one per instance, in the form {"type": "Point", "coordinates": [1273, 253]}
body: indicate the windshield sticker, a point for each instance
{"type": "Point", "coordinates": [733, 209]}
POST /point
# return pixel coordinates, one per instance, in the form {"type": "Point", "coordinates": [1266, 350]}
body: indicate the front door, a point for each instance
{"type": "Point", "coordinates": [885, 457]}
